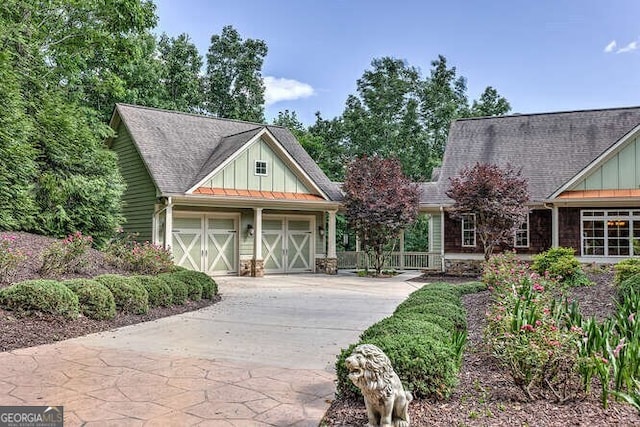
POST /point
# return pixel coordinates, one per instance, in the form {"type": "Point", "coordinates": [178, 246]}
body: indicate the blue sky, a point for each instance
{"type": "Point", "coordinates": [544, 55]}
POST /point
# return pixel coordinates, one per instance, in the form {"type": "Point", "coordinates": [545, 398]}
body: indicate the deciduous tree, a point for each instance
{"type": "Point", "coordinates": [444, 99]}
{"type": "Point", "coordinates": [234, 87]}
{"type": "Point", "coordinates": [382, 119]}
{"type": "Point", "coordinates": [323, 141]}
{"type": "Point", "coordinates": [496, 195]}
{"type": "Point", "coordinates": [490, 103]}
{"type": "Point", "coordinates": [181, 66]}
{"type": "Point", "coordinates": [380, 201]}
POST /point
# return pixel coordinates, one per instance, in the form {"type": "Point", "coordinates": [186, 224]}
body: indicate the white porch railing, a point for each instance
{"type": "Point", "coordinates": [397, 260]}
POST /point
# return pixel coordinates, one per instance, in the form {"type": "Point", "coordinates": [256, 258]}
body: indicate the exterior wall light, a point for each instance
{"type": "Point", "coordinates": [321, 230]}
{"type": "Point", "coordinates": [250, 230]}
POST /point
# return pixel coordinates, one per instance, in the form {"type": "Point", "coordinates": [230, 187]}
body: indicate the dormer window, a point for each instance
{"type": "Point", "coordinates": [261, 168]}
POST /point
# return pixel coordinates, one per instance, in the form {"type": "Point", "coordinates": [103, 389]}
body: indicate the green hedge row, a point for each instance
{"type": "Point", "coordinates": [99, 298]}
{"type": "Point", "coordinates": [424, 339]}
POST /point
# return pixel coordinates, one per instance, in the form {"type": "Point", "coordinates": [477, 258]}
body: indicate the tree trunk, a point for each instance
{"type": "Point", "coordinates": [488, 250]}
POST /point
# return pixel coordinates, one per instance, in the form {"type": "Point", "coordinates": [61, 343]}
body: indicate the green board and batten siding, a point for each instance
{"type": "Point", "coordinates": [240, 173]}
{"type": "Point", "coordinates": [620, 172]}
{"type": "Point", "coordinates": [435, 232]}
{"type": "Point", "coordinates": [139, 197]}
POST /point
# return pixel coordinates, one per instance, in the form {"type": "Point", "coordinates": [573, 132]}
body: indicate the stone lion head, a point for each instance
{"type": "Point", "coordinates": [369, 368]}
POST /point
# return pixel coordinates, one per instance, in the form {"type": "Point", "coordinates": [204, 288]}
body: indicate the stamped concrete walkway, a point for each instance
{"type": "Point", "coordinates": [263, 356]}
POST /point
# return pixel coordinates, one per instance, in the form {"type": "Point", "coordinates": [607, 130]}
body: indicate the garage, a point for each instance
{"type": "Point", "coordinates": [287, 243]}
{"type": "Point", "coordinates": [207, 243]}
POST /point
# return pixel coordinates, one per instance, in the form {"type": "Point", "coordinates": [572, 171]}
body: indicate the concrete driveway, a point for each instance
{"type": "Point", "coordinates": [263, 356]}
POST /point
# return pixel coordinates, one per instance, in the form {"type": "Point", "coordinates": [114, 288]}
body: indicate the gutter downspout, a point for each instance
{"type": "Point", "coordinates": [155, 222]}
{"type": "Point", "coordinates": [168, 224]}
{"type": "Point", "coordinates": [442, 266]}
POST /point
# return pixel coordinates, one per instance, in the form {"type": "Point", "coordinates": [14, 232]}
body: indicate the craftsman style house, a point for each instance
{"type": "Point", "coordinates": [583, 169]}
{"type": "Point", "coordinates": [232, 197]}
{"type": "Point", "coordinates": [228, 197]}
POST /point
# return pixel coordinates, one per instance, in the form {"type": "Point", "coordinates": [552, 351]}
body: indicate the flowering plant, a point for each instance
{"type": "Point", "coordinates": [144, 258]}
{"type": "Point", "coordinates": [67, 255]}
{"type": "Point", "coordinates": [526, 330]}
{"type": "Point", "coordinates": [10, 257]}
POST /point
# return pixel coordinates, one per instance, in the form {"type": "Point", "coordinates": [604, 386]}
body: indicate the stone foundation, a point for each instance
{"type": "Point", "coordinates": [327, 265]}
{"type": "Point", "coordinates": [463, 267]}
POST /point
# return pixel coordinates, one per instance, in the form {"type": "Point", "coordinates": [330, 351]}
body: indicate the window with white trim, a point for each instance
{"type": "Point", "coordinates": [469, 230]}
{"type": "Point", "coordinates": [261, 168]}
{"type": "Point", "coordinates": [609, 232]}
{"type": "Point", "coordinates": [521, 236]}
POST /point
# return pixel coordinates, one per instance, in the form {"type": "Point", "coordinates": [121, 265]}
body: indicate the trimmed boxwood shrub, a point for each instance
{"type": "Point", "coordinates": [129, 294]}
{"type": "Point", "coordinates": [396, 325]}
{"type": "Point", "coordinates": [453, 312]}
{"type": "Point", "coordinates": [96, 300]}
{"type": "Point", "coordinates": [178, 288]}
{"type": "Point", "coordinates": [625, 269]}
{"type": "Point", "coordinates": [470, 288]}
{"type": "Point", "coordinates": [435, 295]}
{"type": "Point", "coordinates": [159, 291]}
{"type": "Point", "coordinates": [425, 365]}
{"type": "Point", "coordinates": [443, 322]}
{"type": "Point", "coordinates": [423, 339]}
{"type": "Point", "coordinates": [197, 280]}
{"type": "Point", "coordinates": [44, 296]}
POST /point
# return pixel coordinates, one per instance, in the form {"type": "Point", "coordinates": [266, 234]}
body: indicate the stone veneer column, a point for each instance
{"type": "Point", "coordinates": [332, 258]}
{"type": "Point", "coordinates": [257, 268]}
{"type": "Point", "coordinates": [257, 263]}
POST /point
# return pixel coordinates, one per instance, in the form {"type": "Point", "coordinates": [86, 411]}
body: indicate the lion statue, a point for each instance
{"type": "Point", "coordinates": [384, 397]}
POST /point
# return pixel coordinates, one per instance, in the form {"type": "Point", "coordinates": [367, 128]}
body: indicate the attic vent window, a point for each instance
{"type": "Point", "coordinates": [261, 168]}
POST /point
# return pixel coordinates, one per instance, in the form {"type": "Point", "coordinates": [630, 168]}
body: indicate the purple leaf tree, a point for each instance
{"type": "Point", "coordinates": [380, 201]}
{"type": "Point", "coordinates": [497, 196]}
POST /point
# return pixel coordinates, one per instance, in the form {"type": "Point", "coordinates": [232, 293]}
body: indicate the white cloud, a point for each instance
{"type": "Point", "coordinates": [629, 48]}
{"type": "Point", "coordinates": [280, 89]}
{"type": "Point", "coordinates": [610, 47]}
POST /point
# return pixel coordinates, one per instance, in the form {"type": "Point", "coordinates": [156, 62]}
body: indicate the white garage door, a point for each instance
{"type": "Point", "coordinates": [287, 244]}
{"type": "Point", "coordinates": [206, 243]}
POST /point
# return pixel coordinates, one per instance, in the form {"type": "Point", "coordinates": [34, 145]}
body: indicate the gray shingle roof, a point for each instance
{"type": "Point", "coordinates": [550, 148]}
{"type": "Point", "coordinates": [180, 149]}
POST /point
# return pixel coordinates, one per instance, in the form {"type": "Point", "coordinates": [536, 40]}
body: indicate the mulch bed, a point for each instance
{"type": "Point", "coordinates": [19, 332]}
{"type": "Point", "coordinates": [486, 396]}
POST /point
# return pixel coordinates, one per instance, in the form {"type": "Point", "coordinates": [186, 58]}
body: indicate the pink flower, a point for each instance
{"type": "Point", "coordinates": [527, 328]}
{"type": "Point", "coordinates": [631, 318]}
{"type": "Point", "coordinates": [619, 347]}
{"type": "Point", "coordinates": [538, 287]}
{"type": "Point", "coordinates": [553, 328]}
{"type": "Point", "coordinates": [538, 322]}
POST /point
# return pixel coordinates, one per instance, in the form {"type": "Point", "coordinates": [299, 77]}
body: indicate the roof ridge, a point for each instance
{"type": "Point", "coordinates": [244, 131]}
{"type": "Point", "coordinates": [184, 113]}
{"type": "Point", "coordinates": [516, 115]}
